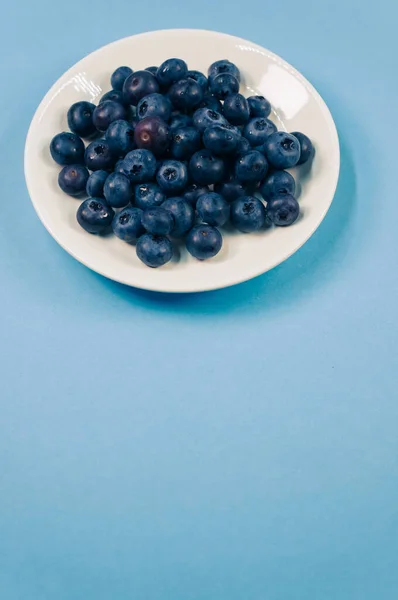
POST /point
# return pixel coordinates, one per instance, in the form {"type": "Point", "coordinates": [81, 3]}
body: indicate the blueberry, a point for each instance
{"type": "Point", "coordinates": [221, 139]}
{"type": "Point", "coordinates": [183, 215]}
{"type": "Point", "coordinates": [117, 190]}
{"type": "Point", "coordinates": [206, 168]}
{"type": "Point", "coordinates": [199, 78]}
{"type": "Point", "coordinates": [154, 105]}
{"type": "Point", "coordinates": [224, 85]}
{"type": "Point", "coordinates": [107, 112]}
{"type": "Point", "coordinates": [236, 109]}
{"type": "Point", "coordinates": [223, 66]}
{"type": "Point", "coordinates": [95, 184]}
{"type": "Point", "coordinates": [231, 189]}
{"type": "Point", "coordinates": [115, 96]}
{"type": "Point", "coordinates": [193, 191]}
{"type": "Point", "coordinates": [152, 133]}
{"type": "Point", "coordinates": [248, 214]}
{"type": "Point", "coordinates": [147, 195]}
{"type": "Point", "coordinates": [73, 179]}
{"type": "Point", "coordinates": [179, 120]}
{"type": "Point", "coordinates": [252, 166]}
{"type": "Point", "coordinates": [139, 166]}
{"type": "Point", "coordinates": [243, 146]}
{"type": "Point", "coordinates": [120, 137]}
{"type": "Point", "coordinates": [283, 210]}
{"type": "Point", "coordinates": [99, 156]}
{"type": "Point", "coordinates": [213, 209]}
{"type": "Point", "coordinates": [209, 101]}
{"type": "Point", "coordinates": [119, 77]}
{"type": "Point", "coordinates": [171, 70]}
{"type": "Point", "coordinates": [80, 119]}
{"type": "Point", "coordinates": [259, 106]}
{"type": "Point", "coordinates": [152, 70]}
{"type": "Point", "coordinates": [157, 221]}
{"type": "Point", "coordinates": [138, 85]}
{"type": "Point", "coordinates": [186, 94]}
{"type": "Point", "coordinates": [306, 147]}
{"type": "Point", "coordinates": [154, 250]}
{"type": "Point", "coordinates": [203, 242]}
{"type": "Point", "coordinates": [172, 176]}
{"type": "Point", "coordinates": [67, 149]}
{"type": "Point", "coordinates": [94, 215]}
{"type": "Point", "coordinates": [279, 183]}
{"type": "Point", "coordinates": [127, 224]}
{"type": "Point", "coordinates": [185, 141]}
{"type": "Point", "coordinates": [282, 150]}
{"type": "Point", "coordinates": [206, 117]}
{"type": "Point", "coordinates": [258, 130]}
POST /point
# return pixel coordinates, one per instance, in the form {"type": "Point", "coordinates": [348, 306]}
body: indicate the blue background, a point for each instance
{"type": "Point", "coordinates": [233, 445]}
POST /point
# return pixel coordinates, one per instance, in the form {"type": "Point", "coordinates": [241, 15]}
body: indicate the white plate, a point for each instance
{"type": "Point", "coordinates": [296, 107]}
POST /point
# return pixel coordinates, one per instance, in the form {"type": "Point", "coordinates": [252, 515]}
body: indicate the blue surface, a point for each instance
{"type": "Point", "coordinates": [234, 445]}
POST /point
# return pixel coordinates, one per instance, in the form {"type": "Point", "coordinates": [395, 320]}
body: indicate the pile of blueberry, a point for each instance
{"type": "Point", "coordinates": [179, 155]}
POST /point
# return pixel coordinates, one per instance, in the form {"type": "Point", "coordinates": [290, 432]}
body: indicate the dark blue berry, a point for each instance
{"type": "Point", "coordinates": [147, 195]}
{"type": "Point", "coordinates": [283, 210]}
{"type": "Point", "coordinates": [179, 120]}
{"type": "Point", "coordinates": [252, 166]}
{"type": "Point", "coordinates": [185, 94]}
{"type": "Point", "coordinates": [172, 176]}
{"type": "Point", "coordinates": [138, 85]}
{"type": "Point", "coordinates": [224, 85]}
{"type": "Point", "coordinates": [171, 70]}
{"type": "Point", "coordinates": [221, 139]}
{"type": "Point", "coordinates": [119, 77]}
{"type": "Point", "coordinates": [107, 112]}
{"type": "Point", "coordinates": [213, 209]}
{"type": "Point", "coordinates": [95, 215]}
{"type": "Point", "coordinates": [117, 190]}
{"type": "Point", "coordinates": [199, 78]}
{"type": "Point", "coordinates": [206, 117]}
{"type": "Point", "coordinates": [279, 183]}
{"type": "Point", "coordinates": [236, 109]}
{"type": "Point", "coordinates": [80, 119]}
{"type": "Point", "coordinates": [282, 150]}
{"type": "Point", "coordinates": [120, 137]}
{"type": "Point", "coordinates": [152, 133]}
{"type": "Point", "coordinates": [193, 191]}
{"type": "Point", "coordinates": [154, 105]}
{"type": "Point", "coordinates": [259, 106]}
{"type": "Point", "coordinates": [209, 101]}
{"type": "Point", "coordinates": [95, 184]}
{"type": "Point", "coordinates": [205, 168]}
{"type": "Point", "coordinates": [99, 156]}
{"type": "Point", "coordinates": [154, 250]}
{"type": "Point", "coordinates": [152, 70]}
{"type": "Point", "coordinates": [231, 189]}
{"type": "Point", "coordinates": [157, 221]}
{"type": "Point", "coordinates": [67, 149]}
{"type": "Point", "coordinates": [185, 141]}
{"type": "Point", "coordinates": [243, 146]}
{"type": "Point", "coordinates": [204, 242]}
{"type": "Point", "coordinates": [115, 96]}
{"type": "Point", "coordinates": [306, 147]}
{"type": "Point", "coordinates": [248, 214]}
{"type": "Point", "coordinates": [73, 179]}
{"type": "Point", "coordinates": [223, 66]}
{"type": "Point", "coordinates": [127, 224]}
{"type": "Point", "coordinates": [258, 130]}
{"type": "Point", "coordinates": [139, 166]}
{"type": "Point", "coordinates": [183, 215]}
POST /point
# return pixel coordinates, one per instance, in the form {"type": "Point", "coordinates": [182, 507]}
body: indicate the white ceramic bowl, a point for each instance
{"type": "Point", "coordinates": [296, 107]}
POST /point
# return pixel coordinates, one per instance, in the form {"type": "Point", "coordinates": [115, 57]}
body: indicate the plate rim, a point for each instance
{"type": "Point", "coordinates": [231, 280]}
